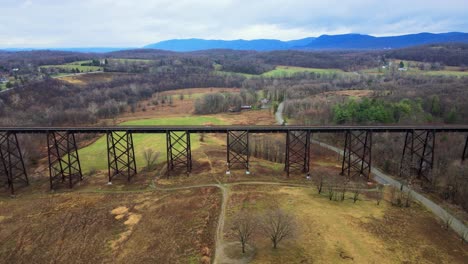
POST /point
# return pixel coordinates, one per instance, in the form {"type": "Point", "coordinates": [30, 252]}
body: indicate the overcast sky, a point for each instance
{"type": "Point", "coordinates": [135, 23]}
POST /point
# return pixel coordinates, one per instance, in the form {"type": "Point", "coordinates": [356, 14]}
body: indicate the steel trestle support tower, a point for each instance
{"type": "Point", "coordinates": [418, 155]}
{"type": "Point", "coordinates": [120, 155]}
{"type": "Point", "coordinates": [179, 153]}
{"type": "Point", "coordinates": [357, 154]}
{"type": "Point", "coordinates": [238, 152]}
{"type": "Point", "coordinates": [12, 166]}
{"type": "Point", "coordinates": [297, 152]}
{"type": "Point", "coordinates": [64, 162]}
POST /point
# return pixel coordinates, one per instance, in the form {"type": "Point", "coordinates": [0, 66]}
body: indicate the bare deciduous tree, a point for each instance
{"type": "Point", "coordinates": [277, 225]}
{"type": "Point", "coordinates": [151, 157]}
{"type": "Point", "coordinates": [244, 224]}
{"type": "Point", "coordinates": [379, 195]}
{"type": "Point", "coordinates": [320, 184]}
{"type": "Point", "coordinates": [356, 193]}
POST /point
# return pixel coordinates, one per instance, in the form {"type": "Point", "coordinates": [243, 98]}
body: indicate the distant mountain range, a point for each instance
{"type": "Point", "coordinates": [324, 42]}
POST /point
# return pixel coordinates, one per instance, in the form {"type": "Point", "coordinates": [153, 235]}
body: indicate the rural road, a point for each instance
{"type": "Point", "coordinates": [279, 114]}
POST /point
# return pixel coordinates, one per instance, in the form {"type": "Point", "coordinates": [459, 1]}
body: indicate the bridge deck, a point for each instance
{"type": "Point", "coordinates": [225, 129]}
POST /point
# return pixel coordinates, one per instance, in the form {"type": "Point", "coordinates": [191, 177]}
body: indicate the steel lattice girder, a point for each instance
{"type": "Point", "coordinates": [357, 155]}
{"type": "Point", "coordinates": [64, 162]}
{"type": "Point", "coordinates": [465, 150]}
{"type": "Point", "coordinates": [12, 166]}
{"type": "Point", "coordinates": [418, 154]}
{"type": "Point", "coordinates": [179, 152]}
{"type": "Point", "coordinates": [120, 155]}
{"type": "Point", "coordinates": [238, 149]}
{"type": "Point", "coordinates": [297, 151]}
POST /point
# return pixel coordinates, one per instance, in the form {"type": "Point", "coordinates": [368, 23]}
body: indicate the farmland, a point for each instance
{"type": "Point", "coordinates": [74, 66]}
{"type": "Point", "coordinates": [288, 71]}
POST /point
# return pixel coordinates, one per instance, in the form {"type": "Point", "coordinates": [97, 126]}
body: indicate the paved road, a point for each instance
{"type": "Point", "coordinates": [279, 114]}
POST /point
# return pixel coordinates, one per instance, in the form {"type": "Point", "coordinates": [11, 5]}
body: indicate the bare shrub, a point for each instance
{"type": "Point", "coordinates": [356, 193]}
{"type": "Point", "coordinates": [408, 198]}
{"type": "Point", "coordinates": [379, 195]}
{"type": "Point", "coordinates": [331, 192]}
{"type": "Point", "coordinates": [320, 184]}
{"type": "Point", "coordinates": [448, 219]}
{"type": "Point", "coordinates": [150, 157]}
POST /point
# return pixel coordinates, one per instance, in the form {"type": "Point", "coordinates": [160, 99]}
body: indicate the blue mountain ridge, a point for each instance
{"type": "Point", "coordinates": [331, 42]}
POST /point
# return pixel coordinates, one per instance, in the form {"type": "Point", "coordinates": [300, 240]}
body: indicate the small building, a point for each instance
{"type": "Point", "coordinates": [3, 80]}
{"type": "Point", "coordinates": [246, 107]}
{"type": "Point", "coordinates": [403, 69]}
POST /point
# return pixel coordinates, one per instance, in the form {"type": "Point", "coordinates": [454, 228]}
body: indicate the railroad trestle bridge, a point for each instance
{"type": "Point", "coordinates": [65, 168]}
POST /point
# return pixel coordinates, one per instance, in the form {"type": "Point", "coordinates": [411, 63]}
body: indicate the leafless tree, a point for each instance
{"type": "Point", "coordinates": [343, 191]}
{"type": "Point", "coordinates": [151, 157]}
{"type": "Point", "coordinates": [379, 194]}
{"type": "Point", "coordinates": [320, 184]}
{"type": "Point", "coordinates": [331, 192]}
{"type": "Point", "coordinates": [356, 193]}
{"type": "Point", "coordinates": [448, 219]}
{"type": "Point", "coordinates": [408, 198]}
{"type": "Point", "coordinates": [244, 224]}
{"type": "Point", "coordinates": [278, 225]}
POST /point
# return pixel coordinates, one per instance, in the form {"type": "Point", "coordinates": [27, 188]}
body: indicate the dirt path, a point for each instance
{"type": "Point", "coordinates": [220, 244]}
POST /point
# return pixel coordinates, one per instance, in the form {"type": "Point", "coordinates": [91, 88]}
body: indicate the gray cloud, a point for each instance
{"type": "Point", "coordinates": [59, 23]}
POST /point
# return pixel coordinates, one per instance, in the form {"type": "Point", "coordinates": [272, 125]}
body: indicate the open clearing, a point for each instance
{"type": "Point", "coordinates": [343, 232]}
{"type": "Point", "coordinates": [150, 227]}
{"type": "Point", "coordinates": [288, 71]}
{"type": "Point", "coordinates": [85, 79]}
{"type": "Point", "coordinates": [75, 65]}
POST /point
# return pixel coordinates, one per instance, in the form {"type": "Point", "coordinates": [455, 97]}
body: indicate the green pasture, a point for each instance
{"type": "Point", "coordinates": [129, 60]}
{"type": "Point", "coordinates": [75, 65]}
{"type": "Point", "coordinates": [286, 71]}
{"type": "Point", "coordinates": [94, 156]}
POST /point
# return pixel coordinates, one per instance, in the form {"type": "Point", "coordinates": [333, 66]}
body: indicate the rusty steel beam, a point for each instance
{"type": "Point", "coordinates": [297, 152]}
{"type": "Point", "coordinates": [179, 153]}
{"type": "Point", "coordinates": [120, 155]}
{"type": "Point", "coordinates": [12, 167]}
{"type": "Point", "coordinates": [237, 150]}
{"type": "Point", "coordinates": [64, 162]}
{"type": "Point", "coordinates": [357, 154]}
{"type": "Point", "coordinates": [417, 158]}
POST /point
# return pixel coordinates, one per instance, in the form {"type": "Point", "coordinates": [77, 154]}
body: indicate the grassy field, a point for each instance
{"type": "Point", "coordinates": [75, 65]}
{"type": "Point", "coordinates": [147, 227]}
{"type": "Point", "coordinates": [341, 232]}
{"type": "Point", "coordinates": [94, 156]}
{"type": "Point", "coordinates": [129, 60]}
{"type": "Point", "coordinates": [286, 71]}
